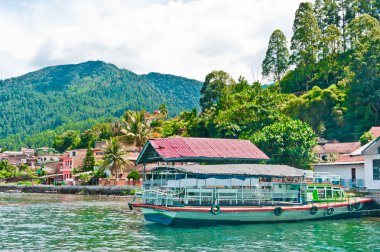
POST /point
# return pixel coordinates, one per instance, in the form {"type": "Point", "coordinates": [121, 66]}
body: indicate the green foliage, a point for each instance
{"type": "Point", "coordinates": [26, 183]}
{"type": "Point", "coordinates": [137, 130]}
{"type": "Point", "coordinates": [68, 140]}
{"type": "Point", "coordinates": [366, 138]}
{"type": "Point", "coordinates": [319, 107]}
{"type": "Point", "coordinates": [60, 95]}
{"type": "Point", "coordinates": [135, 175]}
{"type": "Point", "coordinates": [276, 60]}
{"type": "Point", "coordinates": [88, 162]}
{"type": "Point", "coordinates": [213, 87]}
{"type": "Point", "coordinates": [85, 177]}
{"type": "Point", "coordinates": [306, 35]}
{"type": "Point", "coordinates": [113, 156]}
{"type": "Point", "coordinates": [287, 142]}
{"type": "Point", "coordinates": [7, 170]}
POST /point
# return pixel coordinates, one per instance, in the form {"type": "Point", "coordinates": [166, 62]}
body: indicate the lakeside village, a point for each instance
{"type": "Point", "coordinates": [354, 166]}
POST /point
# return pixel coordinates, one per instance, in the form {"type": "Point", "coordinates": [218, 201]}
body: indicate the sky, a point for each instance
{"type": "Point", "coordinates": [185, 38]}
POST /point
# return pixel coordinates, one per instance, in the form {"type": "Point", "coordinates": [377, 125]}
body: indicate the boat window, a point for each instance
{"type": "Point", "coordinates": [329, 193]}
{"type": "Point", "coordinates": [321, 194]}
{"type": "Point", "coordinates": [337, 194]}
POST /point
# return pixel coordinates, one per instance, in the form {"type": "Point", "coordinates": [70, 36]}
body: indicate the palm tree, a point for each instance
{"type": "Point", "coordinates": [137, 130]}
{"type": "Point", "coordinates": [113, 156]}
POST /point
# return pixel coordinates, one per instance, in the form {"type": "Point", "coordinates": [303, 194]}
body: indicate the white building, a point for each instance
{"type": "Point", "coordinates": [349, 168]}
{"type": "Point", "coordinates": [371, 153]}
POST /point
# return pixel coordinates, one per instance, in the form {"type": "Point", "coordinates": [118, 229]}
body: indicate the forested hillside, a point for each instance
{"type": "Point", "coordinates": [326, 83]}
{"type": "Point", "coordinates": [332, 67]}
{"type": "Point", "coordinates": [68, 95]}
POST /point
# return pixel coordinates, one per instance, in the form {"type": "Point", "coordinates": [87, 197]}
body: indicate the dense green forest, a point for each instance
{"type": "Point", "coordinates": [72, 96]}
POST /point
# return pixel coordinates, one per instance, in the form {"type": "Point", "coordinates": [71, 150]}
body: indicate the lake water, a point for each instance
{"type": "Point", "coordinates": [31, 222]}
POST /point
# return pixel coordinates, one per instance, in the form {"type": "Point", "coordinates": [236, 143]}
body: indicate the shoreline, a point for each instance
{"type": "Point", "coordinates": [81, 190]}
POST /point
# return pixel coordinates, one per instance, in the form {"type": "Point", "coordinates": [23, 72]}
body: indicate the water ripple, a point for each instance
{"type": "Point", "coordinates": [35, 222]}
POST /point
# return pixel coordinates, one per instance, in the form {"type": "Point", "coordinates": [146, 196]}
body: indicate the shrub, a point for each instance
{"type": "Point", "coordinates": [135, 175]}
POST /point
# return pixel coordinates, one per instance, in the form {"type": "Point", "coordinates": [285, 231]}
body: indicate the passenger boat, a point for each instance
{"type": "Point", "coordinates": [242, 193]}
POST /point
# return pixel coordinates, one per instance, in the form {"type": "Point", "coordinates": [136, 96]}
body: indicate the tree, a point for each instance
{"type": "Point", "coordinates": [135, 175]}
{"type": "Point", "coordinates": [366, 138]}
{"type": "Point", "coordinates": [327, 13]}
{"type": "Point", "coordinates": [67, 140]}
{"type": "Point", "coordinates": [136, 130]}
{"type": "Point", "coordinates": [88, 162]}
{"type": "Point", "coordinates": [361, 31]}
{"type": "Point", "coordinates": [113, 156]}
{"type": "Point", "coordinates": [289, 142]}
{"type": "Point", "coordinates": [364, 90]}
{"type": "Point", "coordinates": [163, 110]}
{"type": "Point", "coordinates": [87, 137]}
{"type": "Point", "coordinates": [305, 40]}
{"type": "Point", "coordinates": [276, 60]}
{"type": "Point", "coordinates": [213, 87]}
{"type": "Point", "coordinates": [330, 42]}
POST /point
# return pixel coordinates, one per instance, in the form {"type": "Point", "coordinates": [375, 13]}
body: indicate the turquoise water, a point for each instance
{"type": "Point", "coordinates": [31, 222]}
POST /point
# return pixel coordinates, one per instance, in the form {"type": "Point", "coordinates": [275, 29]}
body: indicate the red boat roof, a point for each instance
{"type": "Point", "coordinates": [200, 149]}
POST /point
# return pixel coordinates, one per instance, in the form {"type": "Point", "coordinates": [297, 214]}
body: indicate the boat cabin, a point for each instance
{"type": "Point", "coordinates": [233, 184]}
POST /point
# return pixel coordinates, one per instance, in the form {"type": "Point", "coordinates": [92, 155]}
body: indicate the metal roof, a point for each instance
{"type": "Point", "coordinates": [341, 148]}
{"type": "Point", "coordinates": [199, 149]}
{"type": "Point", "coordinates": [364, 148]}
{"type": "Point", "coordinates": [239, 169]}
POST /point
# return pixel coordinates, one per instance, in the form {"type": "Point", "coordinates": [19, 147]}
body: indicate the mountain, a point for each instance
{"type": "Point", "coordinates": [60, 95]}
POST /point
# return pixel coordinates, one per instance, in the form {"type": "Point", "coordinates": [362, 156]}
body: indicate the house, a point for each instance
{"type": "Point", "coordinates": [336, 158]}
{"type": "Point", "coordinates": [371, 153]}
{"type": "Point", "coordinates": [25, 156]}
{"type": "Point", "coordinates": [68, 160]}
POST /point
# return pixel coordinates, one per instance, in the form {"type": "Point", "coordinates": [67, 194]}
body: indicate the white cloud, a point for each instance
{"type": "Point", "coordinates": [187, 38]}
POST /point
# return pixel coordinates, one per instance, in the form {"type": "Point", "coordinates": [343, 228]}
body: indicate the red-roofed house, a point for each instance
{"type": "Point", "coordinates": [200, 150]}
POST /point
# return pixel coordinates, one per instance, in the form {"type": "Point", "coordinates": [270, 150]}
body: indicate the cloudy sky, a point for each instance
{"type": "Point", "coordinates": [187, 38]}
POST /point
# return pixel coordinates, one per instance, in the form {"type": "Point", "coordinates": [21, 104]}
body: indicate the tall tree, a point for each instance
{"type": "Point", "coordinates": [305, 40]}
{"type": "Point", "coordinates": [364, 91]}
{"type": "Point", "coordinates": [330, 42]}
{"type": "Point", "coordinates": [213, 87]}
{"type": "Point", "coordinates": [276, 60]}
{"type": "Point", "coordinates": [348, 11]}
{"type": "Point", "coordinates": [114, 157]}
{"type": "Point", "coordinates": [88, 162]}
{"type": "Point", "coordinates": [327, 13]}
{"type": "Point", "coordinates": [361, 32]}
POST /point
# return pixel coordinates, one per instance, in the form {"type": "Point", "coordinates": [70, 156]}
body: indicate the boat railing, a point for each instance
{"type": "Point", "coordinates": [220, 196]}
{"type": "Point", "coordinates": [158, 197]}
{"type": "Point", "coordinates": [322, 177]}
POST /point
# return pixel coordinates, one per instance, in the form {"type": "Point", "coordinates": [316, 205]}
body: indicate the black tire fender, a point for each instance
{"type": "Point", "coordinates": [330, 211]}
{"type": "Point", "coordinates": [313, 210]}
{"type": "Point", "coordinates": [277, 211]}
{"type": "Point", "coordinates": [215, 209]}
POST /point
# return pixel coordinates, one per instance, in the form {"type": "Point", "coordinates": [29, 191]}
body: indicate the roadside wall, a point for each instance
{"type": "Point", "coordinates": [86, 190]}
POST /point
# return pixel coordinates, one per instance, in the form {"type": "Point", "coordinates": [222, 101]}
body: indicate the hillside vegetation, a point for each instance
{"type": "Point", "coordinates": [72, 96]}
